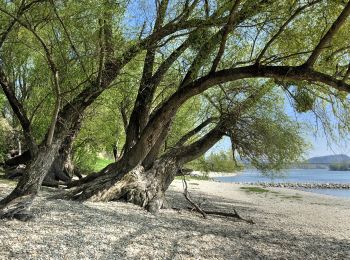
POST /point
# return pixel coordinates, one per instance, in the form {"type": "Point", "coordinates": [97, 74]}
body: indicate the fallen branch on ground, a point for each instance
{"type": "Point", "coordinates": [204, 213]}
{"type": "Point", "coordinates": [226, 214]}
{"type": "Point", "coordinates": [187, 196]}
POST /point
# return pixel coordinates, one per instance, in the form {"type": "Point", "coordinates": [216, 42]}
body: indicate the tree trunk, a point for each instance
{"type": "Point", "coordinates": [142, 187]}
{"type": "Point", "coordinates": [128, 179]}
{"type": "Point", "coordinates": [62, 168]}
{"type": "Point", "coordinates": [17, 203]}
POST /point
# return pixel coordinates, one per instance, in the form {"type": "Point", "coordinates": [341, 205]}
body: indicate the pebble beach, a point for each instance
{"type": "Point", "coordinates": [289, 224]}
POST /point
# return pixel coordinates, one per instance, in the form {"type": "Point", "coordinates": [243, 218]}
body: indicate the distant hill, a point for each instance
{"type": "Point", "coordinates": [329, 159]}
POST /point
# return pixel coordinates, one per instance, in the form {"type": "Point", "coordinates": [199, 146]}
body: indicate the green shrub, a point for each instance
{"type": "Point", "coordinates": [215, 162]}
{"type": "Point", "coordinates": [5, 137]}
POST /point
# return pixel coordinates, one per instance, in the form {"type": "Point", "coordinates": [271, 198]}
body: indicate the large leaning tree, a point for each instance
{"type": "Point", "coordinates": [189, 48]}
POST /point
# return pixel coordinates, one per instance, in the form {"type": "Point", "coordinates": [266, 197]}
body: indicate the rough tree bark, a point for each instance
{"type": "Point", "coordinates": [17, 203]}
{"type": "Point", "coordinates": [62, 168]}
{"type": "Point", "coordinates": [145, 183]}
{"type": "Point", "coordinates": [126, 178]}
{"type": "Point", "coordinates": [144, 186]}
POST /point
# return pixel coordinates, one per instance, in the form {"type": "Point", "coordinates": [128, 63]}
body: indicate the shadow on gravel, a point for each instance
{"type": "Point", "coordinates": [117, 230]}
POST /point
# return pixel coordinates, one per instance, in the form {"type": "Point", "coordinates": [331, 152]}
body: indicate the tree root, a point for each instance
{"type": "Point", "coordinates": [18, 208]}
{"type": "Point", "coordinates": [54, 184]}
{"type": "Point", "coordinates": [204, 213]}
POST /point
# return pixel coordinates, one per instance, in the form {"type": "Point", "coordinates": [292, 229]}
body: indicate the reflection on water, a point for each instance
{"type": "Point", "coordinates": [297, 176]}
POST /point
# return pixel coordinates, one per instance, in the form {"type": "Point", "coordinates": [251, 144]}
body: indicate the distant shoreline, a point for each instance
{"type": "Point", "coordinates": [299, 185]}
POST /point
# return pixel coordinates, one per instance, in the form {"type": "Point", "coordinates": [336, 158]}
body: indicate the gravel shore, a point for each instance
{"type": "Point", "coordinates": [289, 225]}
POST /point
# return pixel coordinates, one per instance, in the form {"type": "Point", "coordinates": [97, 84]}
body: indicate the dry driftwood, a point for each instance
{"type": "Point", "coordinates": [204, 213]}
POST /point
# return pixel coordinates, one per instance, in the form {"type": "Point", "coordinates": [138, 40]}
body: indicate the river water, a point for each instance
{"type": "Point", "coordinates": [298, 176]}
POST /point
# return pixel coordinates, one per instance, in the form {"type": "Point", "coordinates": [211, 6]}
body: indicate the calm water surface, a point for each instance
{"type": "Point", "coordinates": [300, 176]}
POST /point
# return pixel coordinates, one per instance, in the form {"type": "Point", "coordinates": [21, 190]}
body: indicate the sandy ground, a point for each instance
{"type": "Point", "coordinates": [214, 174]}
{"type": "Point", "coordinates": [289, 225]}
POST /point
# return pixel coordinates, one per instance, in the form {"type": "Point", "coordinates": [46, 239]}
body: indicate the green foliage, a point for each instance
{"type": "Point", "coordinates": [275, 144]}
{"type": "Point", "coordinates": [184, 120]}
{"type": "Point", "coordinates": [102, 126]}
{"type": "Point", "coordinates": [254, 189]}
{"type": "Point", "coordinates": [203, 177]}
{"type": "Point", "coordinates": [304, 101]}
{"type": "Point", "coordinates": [215, 162]}
{"type": "Point", "coordinates": [5, 137]}
{"type": "Point", "coordinates": [263, 134]}
{"type": "Point", "coordinates": [267, 137]}
{"type": "Point", "coordinates": [220, 162]}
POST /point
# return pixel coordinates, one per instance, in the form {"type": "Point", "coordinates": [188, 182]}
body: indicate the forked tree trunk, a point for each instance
{"type": "Point", "coordinates": [17, 203]}
{"type": "Point", "coordinates": [62, 168]}
{"type": "Point", "coordinates": [142, 187]}
{"type": "Point", "coordinates": [135, 184]}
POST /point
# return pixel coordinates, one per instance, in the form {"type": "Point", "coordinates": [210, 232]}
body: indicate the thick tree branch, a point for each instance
{"type": "Point", "coordinates": [114, 66]}
{"type": "Point", "coordinates": [155, 150]}
{"type": "Point", "coordinates": [328, 36]}
{"type": "Point", "coordinates": [208, 46]}
{"type": "Point", "coordinates": [19, 111]}
{"type": "Point", "coordinates": [194, 131]}
{"type": "Point", "coordinates": [161, 116]}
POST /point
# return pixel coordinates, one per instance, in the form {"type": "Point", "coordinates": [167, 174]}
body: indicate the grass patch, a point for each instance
{"type": "Point", "coordinates": [101, 163]}
{"type": "Point", "coordinates": [293, 197]}
{"type": "Point", "coordinates": [255, 189]}
{"type": "Point", "coordinates": [265, 191]}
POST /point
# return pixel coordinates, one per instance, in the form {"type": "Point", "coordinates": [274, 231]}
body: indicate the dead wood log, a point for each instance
{"type": "Point", "coordinates": [204, 213]}
{"type": "Point", "coordinates": [225, 214]}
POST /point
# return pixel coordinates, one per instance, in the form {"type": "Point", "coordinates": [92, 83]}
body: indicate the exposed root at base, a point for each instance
{"type": "Point", "coordinates": [18, 208]}
{"type": "Point", "coordinates": [23, 216]}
